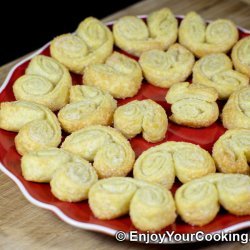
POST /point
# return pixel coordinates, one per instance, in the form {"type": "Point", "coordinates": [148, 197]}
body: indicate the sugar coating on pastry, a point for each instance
{"type": "Point", "coordinates": [88, 106]}
{"type": "Point", "coordinates": [146, 117]}
{"type": "Point", "coordinates": [46, 82]}
{"type": "Point", "coordinates": [215, 70]}
{"type": "Point", "coordinates": [109, 150]}
{"type": "Point", "coordinates": [193, 105]}
{"type": "Point", "coordinates": [160, 164]}
{"type": "Point", "coordinates": [163, 69]}
{"type": "Point", "coordinates": [202, 39]}
{"type": "Point", "coordinates": [152, 208]}
{"type": "Point", "coordinates": [121, 76]}
{"type": "Point", "coordinates": [236, 112]}
{"type": "Point", "coordinates": [241, 55]}
{"type": "Point", "coordinates": [110, 198]}
{"type": "Point", "coordinates": [40, 165]}
{"type": "Point", "coordinates": [37, 126]}
{"type": "Point", "coordinates": [197, 202]}
{"type": "Point", "coordinates": [231, 151]}
{"type": "Point", "coordinates": [73, 180]}
{"type": "Point", "coordinates": [91, 43]}
{"type": "Point", "coordinates": [135, 36]}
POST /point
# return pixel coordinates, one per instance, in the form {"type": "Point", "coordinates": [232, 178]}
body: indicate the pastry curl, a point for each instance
{"type": "Point", "coordinates": [215, 70]}
{"type": "Point", "coordinates": [217, 36]}
{"type": "Point", "coordinates": [110, 151]}
{"type": "Point", "coordinates": [161, 163]}
{"type": "Point", "coordinates": [121, 76]}
{"type": "Point", "coordinates": [240, 56]}
{"type": "Point", "coordinates": [92, 43]}
{"type": "Point", "coordinates": [134, 36]}
{"type": "Point", "coordinates": [146, 117]}
{"type": "Point", "coordinates": [163, 69]}
{"type": "Point", "coordinates": [197, 202]}
{"type": "Point", "coordinates": [37, 126]}
{"type": "Point", "coordinates": [73, 180]}
{"type": "Point", "coordinates": [89, 106]}
{"type": "Point", "coordinates": [236, 112]}
{"type": "Point", "coordinates": [193, 105]}
{"type": "Point", "coordinates": [46, 82]}
{"type": "Point", "coordinates": [231, 151]}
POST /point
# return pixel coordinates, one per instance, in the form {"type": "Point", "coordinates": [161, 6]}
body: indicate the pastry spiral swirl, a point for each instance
{"type": "Point", "coordinates": [110, 151]}
{"type": "Point", "coordinates": [163, 69]}
{"type": "Point", "coordinates": [240, 56]}
{"type": "Point", "coordinates": [231, 151]}
{"type": "Point", "coordinates": [37, 126]}
{"type": "Point", "coordinates": [236, 112]}
{"type": "Point", "coordinates": [92, 43]}
{"type": "Point", "coordinates": [144, 116]}
{"type": "Point", "coordinates": [151, 207]}
{"type": "Point", "coordinates": [215, 70]}
{"type": "Point", "coordinates": [134, 36]}
{"type": "Point", "coordinates": [193, 105]}
{"type": "Point", "coordinates": [88, 106]}
{"type": "Point", "coordinates": [217, 36]}
{"type": "Point", "coordinates": [197, 202]}
{"type": "Point", "coordinates": [161, 163]}
{"type": "Point", "coordinates": [121, 76]}
{"type": "Point", "coordinates": [45, 82]}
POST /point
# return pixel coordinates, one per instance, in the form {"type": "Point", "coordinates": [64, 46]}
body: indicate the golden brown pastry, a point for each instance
{"type": "Point", "coordinates": [73, 180]}
{"type": "Point", "coordinates": [40, 165]}
{"type": "Point", "coordinates": [197, 202]}
{"type": "Point", "coordinates": [161, 163]}
{"type": "Point", "coordinates": [110, 198]}
{"type": "Point", "coordinates": [89, 106]}
{"type": "Point", "coordinates": [146, 117]}
{"type": "Point", "coordinates": [215, 70]}
{"type": "Point", "coordinates": [231, 151]}
{"type": "Point", "coordinates": [240, 56]}
{"type": "Point", "coordinates": [151, 207]}
{"type": "Point", "coordinates": [121, 76]}
{"type": "Point", "coordinates": [217, 36]}
{"type": "Point", "coordinates": [193, 105]}
{"type": "Point", "coordinates": [135, 36]}
{"type": "Point", "coordinates": [37, 126]}
{"type": "Point", "coordinates": [91, 43]}
{"type": "Point", "coordinates": [46, 82]}
{"type": "Point", "coordinates": [110, 150]}
{"type": "Point", "coordinates": [163, 69]}
{"type": "Point", "coordinates": [236, 112]}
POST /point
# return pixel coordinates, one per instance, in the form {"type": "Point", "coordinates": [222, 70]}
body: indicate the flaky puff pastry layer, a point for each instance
{"type": "Point", "coordinates": [46, 82]}
{"type": "Point", "coordinates": [88, 106]}
{"type": "Point", "coordinates": [202, 39]}
{"type": "Point", "coordinates": [121, 76]}
{"type": "Point", "coordinates": [105, 146]}
{"type": "Point", "coordinates": [73, 180]}
{"type": "Point", "coordinates": [241, 56]}
{"type": "Point", "coordinates": [236, 112]}
{"type": "Point", "coordinates": [160, 164]}
{"type": "Point", "coordinates": [135, 36]}
{"type": "Point", "coordinates": [193, 105]}
{"type": "Point", "coordinates": [37, 126]}
{"type": "Point", "coordinates": [231, 151]}
{"type": "Point", "coordinates": [163, 69]}
{"type": "Point", "coordinates": [215, 70]}
{"type": "Point", "coordinates": [151, 207]}
{"type": "Point", "coordinates": [91, 43]}
{"type": "Point", "coordinates": [146, 117]}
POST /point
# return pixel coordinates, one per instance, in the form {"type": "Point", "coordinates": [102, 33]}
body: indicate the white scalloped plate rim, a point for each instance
{"type": "Point", "coordinates": [56, 210]}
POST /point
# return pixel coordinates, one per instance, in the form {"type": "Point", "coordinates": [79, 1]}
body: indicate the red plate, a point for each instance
{"type": "Point", "coordinates": [79, 214]}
